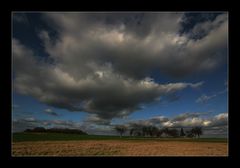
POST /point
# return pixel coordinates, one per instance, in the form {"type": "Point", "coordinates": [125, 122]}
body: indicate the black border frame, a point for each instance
{"type": "Point", "coordinates": [5, 37]}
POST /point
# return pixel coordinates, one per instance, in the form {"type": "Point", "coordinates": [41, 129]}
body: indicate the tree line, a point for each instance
{"type": "Point", "coordinates": [56, 130]}
{"type": "Point", "coordinates": [153, 131]}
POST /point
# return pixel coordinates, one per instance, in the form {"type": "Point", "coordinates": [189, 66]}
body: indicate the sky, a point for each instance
{"type": "Point", "coordinates": [94, 70]}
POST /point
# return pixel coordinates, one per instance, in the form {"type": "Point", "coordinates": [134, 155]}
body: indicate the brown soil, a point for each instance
{"type": "Point", "coordinates": [119, 148]}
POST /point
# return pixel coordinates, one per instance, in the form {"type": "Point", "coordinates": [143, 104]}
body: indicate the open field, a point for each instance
{"type": "Point", "coordinates": [21, 137]}
{"type": "Point", "coordinates": [42, 144]}
{"type": "Point", "coordinates": [118, 148]}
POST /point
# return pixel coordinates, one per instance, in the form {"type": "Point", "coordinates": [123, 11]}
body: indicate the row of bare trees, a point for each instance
{"type": "Point", "coordinates": [153, 131]}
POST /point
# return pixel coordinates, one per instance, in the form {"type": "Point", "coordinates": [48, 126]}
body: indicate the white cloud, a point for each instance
{"type": "Point", "coordinates": [222, 116]}
{"type": "Point", "coordinates": [204, 98]}
{"type": "Point", "coordinates": [187, 120]}
{"type": "Point", "coordinates": [50, 112]}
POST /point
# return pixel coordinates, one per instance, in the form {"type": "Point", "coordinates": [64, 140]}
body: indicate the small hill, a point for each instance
{"type": "Point", "coordinates": [56, 130]}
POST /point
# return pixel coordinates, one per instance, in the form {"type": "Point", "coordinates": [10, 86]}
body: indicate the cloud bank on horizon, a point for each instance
{"type": "Point", "coordinates": [102, 63]}
{"type": "Point", "coordinates": [216, 125]}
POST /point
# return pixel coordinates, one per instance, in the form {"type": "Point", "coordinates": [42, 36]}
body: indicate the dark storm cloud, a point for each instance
{"type": "Point", "coordinates": [155, 43]}
{"type": "Point", "coordinates": [104, 92]}
{"type": "Point", "coordinates": [102, 61]}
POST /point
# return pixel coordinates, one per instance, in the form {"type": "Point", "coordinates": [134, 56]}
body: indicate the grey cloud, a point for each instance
{"type": "Point", "coordinates": [203, 28]}
{"type": "Point", "coordinates": [184, 116]}
{"type": "Point", "coordinates": [102, 61]}
{"type": "Point", "coordinates": [221, 131]}
{"type": "Point", "coordinates": [104, 92]}
{"type": "Point", "coordinates": [158, 120]}
{"type": "Point", "coordinates": [219, 120]}
{"type": "Point", "coordinates": [22, 124]}
{"type": "Point", "coordinates": [139, 24]}
{"type": "Point", "coordinates": [94, 119]}
{"type": "Point", "coordinates": [117, 43]}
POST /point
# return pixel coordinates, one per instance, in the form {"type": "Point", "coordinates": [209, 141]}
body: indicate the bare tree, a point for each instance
{"type": "Point", "coordinates": [197, 131]}
{"type": "Point", "coordinates": [121, 129]}
{"type": "Point", "coordinates": [182, 134]}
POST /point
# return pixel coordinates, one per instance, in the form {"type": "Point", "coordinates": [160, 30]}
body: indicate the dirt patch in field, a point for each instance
{"type": "Point", "coordinates": [118, 148]}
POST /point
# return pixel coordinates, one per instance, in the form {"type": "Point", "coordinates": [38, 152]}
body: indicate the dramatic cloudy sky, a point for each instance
{"type": "Point", "coordinates": [95, 70]}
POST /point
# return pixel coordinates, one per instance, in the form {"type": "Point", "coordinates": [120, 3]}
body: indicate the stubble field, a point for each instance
{"type": "Point", "coordinates": [119, 148]}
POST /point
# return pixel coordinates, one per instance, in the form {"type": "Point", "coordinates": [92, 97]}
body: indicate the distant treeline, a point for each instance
{"type": "Point", "coordinates": [56, 130]}
{"type": "Point", "coordinates": [153, 131]}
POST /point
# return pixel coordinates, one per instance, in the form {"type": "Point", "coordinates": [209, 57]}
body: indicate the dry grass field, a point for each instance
{"type": "Point", "coordinates": [119, 148]}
